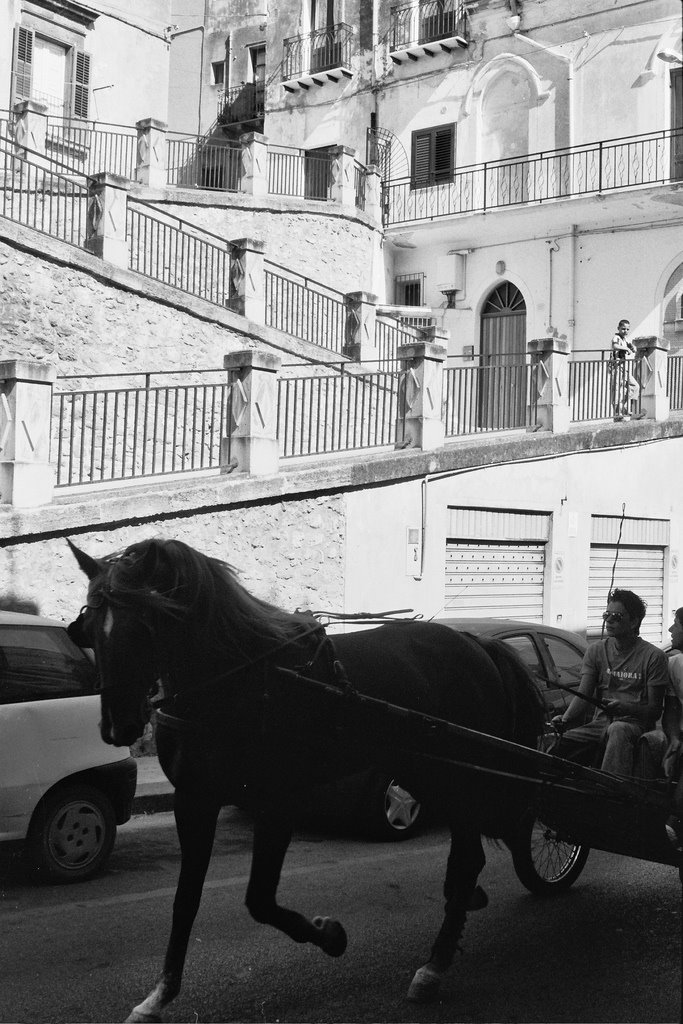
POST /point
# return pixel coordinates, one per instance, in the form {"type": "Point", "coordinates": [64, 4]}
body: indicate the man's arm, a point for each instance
{"type": "Point", "coordinates": [588, 685]}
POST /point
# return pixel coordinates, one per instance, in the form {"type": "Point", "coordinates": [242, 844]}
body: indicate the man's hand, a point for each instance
{"type": "Point", "coordinates": [612, 708]}
{"type": "Point", "coordinates": [558, 723]}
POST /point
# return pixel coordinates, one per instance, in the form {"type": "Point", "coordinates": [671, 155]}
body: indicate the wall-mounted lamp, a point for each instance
{"type": "Point", "coordinates": [450, 294]}
{"type": "Point", "coordinates": [670, 57]}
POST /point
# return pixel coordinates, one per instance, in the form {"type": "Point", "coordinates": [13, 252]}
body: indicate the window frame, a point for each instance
{"type": "Point", "coordinates": [437, 171]}
{"type": "Point", "coordinates": [77, 85]}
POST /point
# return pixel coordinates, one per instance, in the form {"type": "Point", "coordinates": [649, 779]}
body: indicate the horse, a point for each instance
{"type": "Point", "coordinates": [237, 723]}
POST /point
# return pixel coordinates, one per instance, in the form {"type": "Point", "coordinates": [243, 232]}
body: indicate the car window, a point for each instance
{"type": "Point", "coordinates": [41, 663]}
{"type": "Point", "coordinates": [567, 660]}
{"type": "Point", "coordinates": [526, 649]}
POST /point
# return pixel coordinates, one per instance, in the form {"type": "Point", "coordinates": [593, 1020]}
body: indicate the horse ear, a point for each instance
{"type": "Point", "coordinates": [89, 565]}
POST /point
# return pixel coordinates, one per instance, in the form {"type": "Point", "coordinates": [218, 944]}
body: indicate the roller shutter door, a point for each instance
{"type": "Point", "coordinates": [495, 579]}
{"type": "Point", "coordinates": [638, 568]}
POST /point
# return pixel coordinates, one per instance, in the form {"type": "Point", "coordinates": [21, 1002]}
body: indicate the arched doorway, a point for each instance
{"type": "Point", "coordinates": [502, 388]}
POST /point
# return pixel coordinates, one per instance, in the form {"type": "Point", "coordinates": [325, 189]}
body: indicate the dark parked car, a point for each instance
{"type": "Point", "coordinates": [374, 802]}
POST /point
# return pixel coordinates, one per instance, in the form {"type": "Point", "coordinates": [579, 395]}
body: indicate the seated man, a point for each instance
{"type": "Point", "coordinates": [672, 722]}
{"type": "Point", "coordinates": [628, 676]}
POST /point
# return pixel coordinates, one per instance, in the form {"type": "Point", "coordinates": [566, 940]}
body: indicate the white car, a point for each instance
{"type": "Point", "coordinates": [63, 790]}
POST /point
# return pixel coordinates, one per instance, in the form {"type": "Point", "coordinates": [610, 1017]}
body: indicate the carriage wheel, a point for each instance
{"type": "Point", "coordinates": [544, 862]}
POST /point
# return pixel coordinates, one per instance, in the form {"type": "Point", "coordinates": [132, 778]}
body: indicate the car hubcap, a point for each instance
{"type": "Point", "coordinates": [400, 807]}
{"type": "Point", "coordinates": [76, 834]}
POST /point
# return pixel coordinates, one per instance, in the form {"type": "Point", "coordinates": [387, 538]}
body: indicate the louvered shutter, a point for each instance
{"type": "Point", "coordinates": [443, 153]}
{"type": "Point", "coordinates": [23, 64]}
{"type": "Point", "coordinates": [81, 85]}
{"type": "Point", "coordinates": [422, 150]}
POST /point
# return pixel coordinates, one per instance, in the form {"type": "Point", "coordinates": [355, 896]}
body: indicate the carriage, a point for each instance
{"type": "Point", "coordinates": [255, 704]}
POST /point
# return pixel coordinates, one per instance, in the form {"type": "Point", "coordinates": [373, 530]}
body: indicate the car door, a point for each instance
{"type": "Point", "coordinates": [565, 658]}
{"type": "Point", "coordinates": [526, 646]}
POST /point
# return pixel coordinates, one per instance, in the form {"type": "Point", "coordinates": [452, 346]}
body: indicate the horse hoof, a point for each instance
{"type": "Point", "coordinates": [142, 1018]}
{"type": "Point", "coordinates": [333, 939]}
{"type": "Point", "coordinates": [425, 985]}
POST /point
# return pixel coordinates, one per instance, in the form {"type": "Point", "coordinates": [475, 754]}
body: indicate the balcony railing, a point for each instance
{"type": "Point", "coordinates": [297, 172]}
{"type": "Point", "coordinates": [199, 163]}
{"type": "Point", "coordinates": [316, 53]}
{"type": "Point", "coordinates": [649, 159]}
{"type": "Point", "coordinates": [92, 148]}
{"type": "Point", "coordinates": [430, 21]}
{"type": "Point", "coordinates": [243, 104]}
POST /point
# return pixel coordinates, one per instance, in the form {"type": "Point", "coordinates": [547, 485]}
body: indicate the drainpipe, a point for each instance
{"type": "Point", "coordinates": [553, 247]}
{"type": "Point", "coordinates": [571, 323]}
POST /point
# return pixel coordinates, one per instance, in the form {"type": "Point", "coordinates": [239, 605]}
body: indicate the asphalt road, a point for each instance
{"type": "Point", "coordinates": [609, 950]}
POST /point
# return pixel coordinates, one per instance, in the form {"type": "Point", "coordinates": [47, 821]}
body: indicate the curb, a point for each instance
{"type": "Point", "coordinates": [152, 803]}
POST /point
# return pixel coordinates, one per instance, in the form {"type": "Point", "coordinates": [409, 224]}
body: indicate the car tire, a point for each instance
{"type": "Point", "coordinates": [393, 814]}
{"type": "Point", "coordinates": [72, 834]}
{"type": "Point", "coordinates": [544, 862]}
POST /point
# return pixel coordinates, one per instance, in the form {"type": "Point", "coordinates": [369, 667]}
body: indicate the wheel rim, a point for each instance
{"type": "Point", "coordinates": [400, 807]}
{"type": "Point", "coordinates": [76, 834]}
{"type": "Point", "coordinates": [552, 857]}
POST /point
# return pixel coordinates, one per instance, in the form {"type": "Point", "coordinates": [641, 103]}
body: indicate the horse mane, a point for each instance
{"type": "Point", "coordinates": [187, 588]}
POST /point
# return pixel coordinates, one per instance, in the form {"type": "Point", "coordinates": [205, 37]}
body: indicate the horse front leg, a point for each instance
{"type": "Point", "coordinates": [272, 835]}
{"type": "Point", "coordinates": [465, 863]}
{"type": "Point", "coordinates": [196, 819]}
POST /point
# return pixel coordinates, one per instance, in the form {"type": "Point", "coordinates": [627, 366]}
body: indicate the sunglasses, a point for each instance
{"type": "Point", "coordinates": [612, 617]}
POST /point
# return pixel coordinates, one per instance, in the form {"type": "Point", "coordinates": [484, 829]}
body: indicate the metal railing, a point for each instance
{"type": "Point", "coordinates": [198, 163]}
{"type": "Point", "coordinates": [488, 397]}
{"type": "Point", "coordinates": [178, 253]}
{"type": "Point", "coordinates": [301, 308]}
{"type": "Point", "coordinates": [123, 433]}
{"type": "Point", "coordinates": [426, 22]}
{"type": "Point", "coordinates": [319, 415]}
{"type": "Point", "coordinates": [35, 194]}
{"type": "Point", "coordinates": [599, 386]}
{"type": "Point", "coordinates": [318, 51]}
{"type": "Point", "coordinates": [92, 148]}
{"type": "Point", "coordinates": [296, 172]}
{"type": "Point", "coordinates": [389, 334]}
{"type": "Point", "coordinates": [674, 381]}
{"type": "Point", "coordinates": [648, 159]}
{"type": "Point", "coordinates": [246, 102]}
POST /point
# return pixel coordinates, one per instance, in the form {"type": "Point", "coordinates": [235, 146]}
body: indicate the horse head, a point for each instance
{"type": "Point", "coordinates": [117, 627]}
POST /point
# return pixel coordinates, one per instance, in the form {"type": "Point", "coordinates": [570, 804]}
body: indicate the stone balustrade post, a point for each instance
{"type": "Point", "coordinates": [252, 446]}
{"type": "Point", "coordinates": [651, 365]}
{"type": "Point", "coordinates": [343, 176]}
{"type": "Point", "coordinates": [150, 168]}
{"type": "Point", "coordinates": [420, 421]}
{"type": "Point", "coordinates": [373, 193]}
{"type": "Point", "coordinates": [254, 158]}
{"type": "Point", "coordinates": [550, 385]}
{"type": "Point", "coordinates": [106, 226]}
{"type": "Point", "coordinates": [247, 279]}
{"type": "Point", "coordinates": [360, 343]}
{"type": "Point", "coordinates": [26, 476]}
{"type": "Point", "coordinates": [30, 127]}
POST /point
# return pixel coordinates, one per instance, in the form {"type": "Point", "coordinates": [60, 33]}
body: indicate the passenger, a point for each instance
{"type": "Point", "coordinates": [672, 724]}
{"type": "Point", "coordinates": [629, 676]}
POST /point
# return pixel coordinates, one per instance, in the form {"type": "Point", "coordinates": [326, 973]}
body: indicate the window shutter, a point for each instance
{"type": "Point", "coordinates": [422, 150]}
{"type": "Point", "coordinates": [82, 85]}
{"type": "Point", "coordinates": [23, 64]}
{"type": "Point", "coordinates": [443, 153]}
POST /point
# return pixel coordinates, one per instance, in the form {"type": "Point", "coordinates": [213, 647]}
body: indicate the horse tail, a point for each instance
{"type": "Point", "coordinates": [529, 711]}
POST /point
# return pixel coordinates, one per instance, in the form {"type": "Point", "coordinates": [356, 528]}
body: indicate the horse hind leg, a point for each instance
{"type": "Point", "coordinates": [462, 894]}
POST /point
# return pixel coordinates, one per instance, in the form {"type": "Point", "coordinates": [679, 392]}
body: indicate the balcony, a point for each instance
{"type": "Point", "coordinates": [653, 158]}
{"type": "Point", "coordinates": [317, 58]}
{"type": "Point", "coordinates": [426, 29]}
{"type": "Point", "coordinates": [242, 109]}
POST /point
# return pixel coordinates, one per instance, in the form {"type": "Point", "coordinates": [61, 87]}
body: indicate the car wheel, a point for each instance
{"type": "Point", "coordinates": [72, 834]}
{"type": "Point", "coordinates": [394, 813]}
{"type": "Point", "coordinates": [544, 862]}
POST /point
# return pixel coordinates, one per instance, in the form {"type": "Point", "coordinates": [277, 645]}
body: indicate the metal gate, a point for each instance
{"type": "Point", "coordinates": [638, 569]}
{"type": "Point", "coordinates": [495, 563]}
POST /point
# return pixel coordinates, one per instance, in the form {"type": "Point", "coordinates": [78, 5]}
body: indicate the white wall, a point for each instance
{"type": "Point", "coordinates": [570, 488]}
